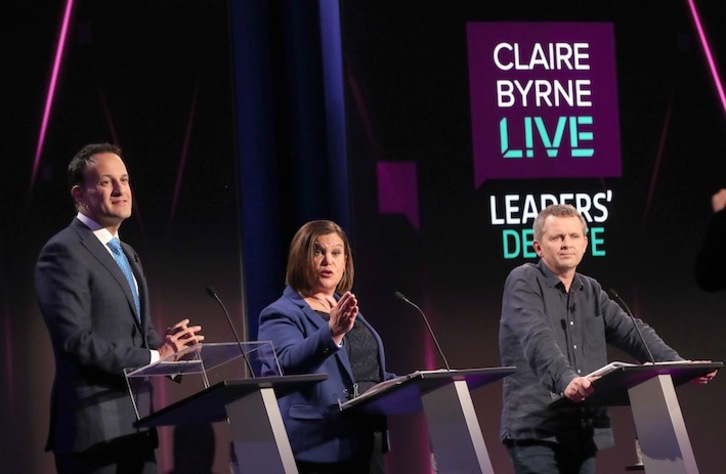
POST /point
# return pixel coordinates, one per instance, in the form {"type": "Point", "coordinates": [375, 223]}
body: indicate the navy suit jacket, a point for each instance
{"type": "Point", "coordinates": [90, 314]}
{"type": "Point", "coordinates": [303, 344]}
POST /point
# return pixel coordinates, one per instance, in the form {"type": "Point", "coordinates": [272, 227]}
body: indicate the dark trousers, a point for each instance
{"type": "Point", "coordinates": [368, 461]}
{"type": "Point", "coordinates": [128, 455]}
{"type": "Point", "coordinates": [535, 457]}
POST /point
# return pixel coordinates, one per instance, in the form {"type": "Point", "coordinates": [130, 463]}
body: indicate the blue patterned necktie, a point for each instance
{"type": "Point", "coordinates": [123, 262]}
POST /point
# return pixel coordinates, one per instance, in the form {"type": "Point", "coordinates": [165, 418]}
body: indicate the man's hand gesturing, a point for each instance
{"type": "Point", "coordinates": [179, 336]}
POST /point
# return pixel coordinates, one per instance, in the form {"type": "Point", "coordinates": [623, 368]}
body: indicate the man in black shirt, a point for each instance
{"type": "Point", "coordinates": [554, 327]}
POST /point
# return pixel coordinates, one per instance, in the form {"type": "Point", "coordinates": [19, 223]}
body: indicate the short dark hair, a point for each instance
{"type": "Point", "coordinates": [301, 258]}
{"type": "Point", "coordinates": [79, 162]}
{"type": "Point", "coordinates": [556, 210]}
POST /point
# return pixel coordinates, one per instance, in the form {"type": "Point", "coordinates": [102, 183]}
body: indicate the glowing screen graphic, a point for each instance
{"type": "Point", "coordinates": [543, 100]}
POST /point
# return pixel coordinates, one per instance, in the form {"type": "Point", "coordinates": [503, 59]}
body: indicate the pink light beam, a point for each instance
{"type": "Point", "coordinates": [183, 158]}
{"type": "Point", "coordinates": [707, 50]}
{"type": "Point", "coordinates": [51, 89]}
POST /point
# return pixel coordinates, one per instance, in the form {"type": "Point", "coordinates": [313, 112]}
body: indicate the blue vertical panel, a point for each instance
{"type": "Point", "coordinates": [290, 131]}
{"type": "Point", "coordinates": [256, 148]}
{"type": "Point", "coordinates": [331, 47]}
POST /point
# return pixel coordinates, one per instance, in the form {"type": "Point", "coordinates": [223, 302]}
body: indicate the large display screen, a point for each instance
{"type": "Point", "coordinates": [465, 119]}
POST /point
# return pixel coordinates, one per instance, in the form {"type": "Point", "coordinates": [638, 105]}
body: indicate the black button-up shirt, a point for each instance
{"type": "Point", "coordinates": [553, 336]}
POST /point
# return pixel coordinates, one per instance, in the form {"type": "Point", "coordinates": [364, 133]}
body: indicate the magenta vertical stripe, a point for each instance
{"type": "Point", "coordinates": [9, 351]}
{"type": "Point", "coordinates": [398, 190]}
{"type": "Point", "coordinates": [707, 50]}
{"type": "Point", "coordinates": [364, 115]}
{"type": "Point", "coordinates": [109, 118]}
{"type": "Point", "coordinates": [431, 353]}
{"type": "Point", "coordinates": [183, 158]}
{"type": "Point", "coordinates": [51, 90]}
{"type": "Point", "coordinates": [657, 164]}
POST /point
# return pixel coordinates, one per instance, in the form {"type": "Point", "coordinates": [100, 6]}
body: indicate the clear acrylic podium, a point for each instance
{"type": "Point", "coordinates": [248, 404]}
{"type": "Point", "coordinates": [650, 392]}
{"type": "Point", "coordinates": [444, 396]}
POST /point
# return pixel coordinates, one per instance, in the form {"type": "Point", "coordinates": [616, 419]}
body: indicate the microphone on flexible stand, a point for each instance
{"type": "Point", "coordinates": [615, 296]}
{"type": "Point", "coordinates": [214, 295]}
{"type": "Point", "coordinates": [400, 296]}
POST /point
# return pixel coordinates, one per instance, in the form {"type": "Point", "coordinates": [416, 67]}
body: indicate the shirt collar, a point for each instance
{"type": "Point", "coordinates": [101, 233]}
{"type": "Point", "coordinates": [554, 281]}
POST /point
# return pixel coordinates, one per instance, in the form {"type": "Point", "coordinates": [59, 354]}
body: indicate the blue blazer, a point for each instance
{"type": "Point", "coordinates": [302, 342]}
{"type": "Point", "coordinates": [90, 314]}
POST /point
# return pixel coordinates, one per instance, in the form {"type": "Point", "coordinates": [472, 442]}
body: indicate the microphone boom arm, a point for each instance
{"type": "Point", "coordinates": [614, 294]}
{"type": "Point", "coordinates": [400, 296]}
{"type": "Point", "coordinates": [216, 297]}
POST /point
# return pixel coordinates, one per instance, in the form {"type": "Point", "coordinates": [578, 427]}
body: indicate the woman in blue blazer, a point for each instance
{"type": "Point", "coordinates": [316, 328]}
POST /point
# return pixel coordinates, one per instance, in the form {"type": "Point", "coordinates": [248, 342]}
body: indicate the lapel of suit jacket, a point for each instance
{"type": "Point", "coordinates": [96, 248]}
{"type": "Point", "coordinates": [319, 322]}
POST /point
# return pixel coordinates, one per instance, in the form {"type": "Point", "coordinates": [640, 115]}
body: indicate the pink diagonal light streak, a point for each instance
{"type": "Point", "coordinates": [707, 50]}
{"type": "Point", "coordinates": [363, 114]}
{"type": "Point", "coordinates": [657, 164]}
{"type": "Point", "coordinates": [183, 157]}
{"type": "Point", "coordinates": [51, 89]}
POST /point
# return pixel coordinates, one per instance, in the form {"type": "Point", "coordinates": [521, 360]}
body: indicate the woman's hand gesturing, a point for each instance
{"type": "Point", "coordinates": [342, 315]}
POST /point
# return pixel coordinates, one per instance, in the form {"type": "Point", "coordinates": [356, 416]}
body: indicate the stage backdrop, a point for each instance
{"type": "Point", "coordinates": [155, 78]}
{"type": "Point", "coordinates": [469, 117]}
{"type": "Point", "coordinates": [445, 161]}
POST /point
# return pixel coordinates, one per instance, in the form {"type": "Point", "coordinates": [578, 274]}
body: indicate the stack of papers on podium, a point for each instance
{"type": "Point", "coordinates": [613, 366]}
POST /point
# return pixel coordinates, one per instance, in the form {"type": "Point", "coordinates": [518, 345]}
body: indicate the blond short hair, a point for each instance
{"type": "Point", "coordinates": [556, 210]}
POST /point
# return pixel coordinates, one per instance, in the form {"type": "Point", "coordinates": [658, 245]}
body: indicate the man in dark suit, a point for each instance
{"type": "Point", "coordinates": [95, 305]}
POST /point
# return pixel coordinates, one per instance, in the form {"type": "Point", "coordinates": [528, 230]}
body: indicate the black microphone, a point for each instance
{"type": "Point", "coordinates": [614, 295]}
{"type": "Point", "coordinates": [214, 295]}
{"type": "Point", "coordinates": [400, 296]}
{"type": "Point", "coordinates": [573, 307]}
